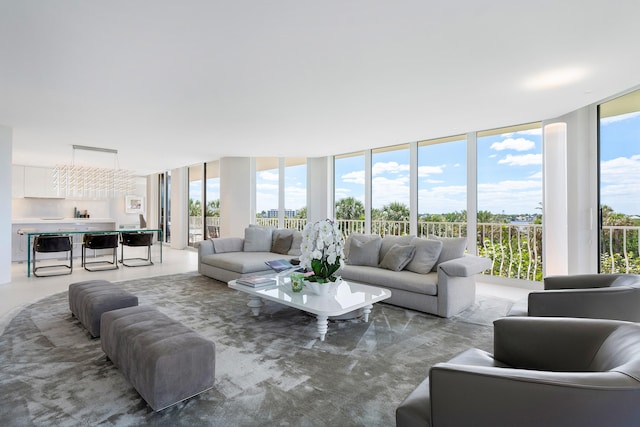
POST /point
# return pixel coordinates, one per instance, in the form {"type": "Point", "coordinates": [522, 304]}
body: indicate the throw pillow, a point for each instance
{"type": "Point", "coordinates": [358, 236]}
{"type": "Point", "coordinates": [426, 256]}
{"type": "Point", "coordinates": [389, 240]}
{"type": "Point", "coordinates": [397, 257]}
{"type": "Point", "coordinates": [257, 239]}
{"type": "Point", "coordinates": [282, 244]}
{"type": "Point", "coordinates": [295, 244]}
{"type": "Point", "coordinates": [452, 248]}
{"type": "Point", "coordinates": [364, 253]}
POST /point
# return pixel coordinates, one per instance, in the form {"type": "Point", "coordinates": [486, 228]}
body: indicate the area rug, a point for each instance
{"type": "Point", "coordinates": [270, 370]}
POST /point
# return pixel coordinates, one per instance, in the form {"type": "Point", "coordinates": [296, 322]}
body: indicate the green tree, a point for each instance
{"type": "Point", "coordinates": [394, 211]}
{"type": "Point", "coordinates": [213, 208]}
{"type": "Point", "coordinates": [349, 208]}
{"type": "Point", "coordinates": [302, 213]}
{"type": "Point", "coordinates": [195, 208]}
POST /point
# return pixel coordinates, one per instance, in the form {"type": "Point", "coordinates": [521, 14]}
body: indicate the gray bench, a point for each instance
{"type": "Point", "coordinates": [89, 299]}
{"type": "Point", "coordinates": [165, 361]}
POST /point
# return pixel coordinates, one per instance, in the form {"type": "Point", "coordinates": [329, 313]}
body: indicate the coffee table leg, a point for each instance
{"type": "Point", "coordinates": [323, 325]}
{"type": "Point", "coordinates": [255, 303]}
{"type": "Point", "coordinates": [366, 310]}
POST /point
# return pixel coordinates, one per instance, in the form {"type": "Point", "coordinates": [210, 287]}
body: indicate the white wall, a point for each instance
{"type": "Point", "coordinates": [179, 207]}
{"type": "Point", "coordinates": [6, 138]}
{"type": "Point", "coordinates": [319, 188]}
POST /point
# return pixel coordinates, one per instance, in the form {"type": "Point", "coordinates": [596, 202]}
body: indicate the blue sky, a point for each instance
{"type": "Point", "coordinates": [620, 163]}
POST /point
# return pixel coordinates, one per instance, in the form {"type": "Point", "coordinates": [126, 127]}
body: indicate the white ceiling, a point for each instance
{"type": "Point", "coordinates": [173, 83]}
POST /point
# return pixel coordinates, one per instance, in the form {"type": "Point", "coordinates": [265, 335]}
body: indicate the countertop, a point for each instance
{"type": "Point", "coordinates": [51, 220]}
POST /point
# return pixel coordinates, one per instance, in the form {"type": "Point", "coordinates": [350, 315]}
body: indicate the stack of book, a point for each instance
{"type": "Point", "coordinates": [256, 281]}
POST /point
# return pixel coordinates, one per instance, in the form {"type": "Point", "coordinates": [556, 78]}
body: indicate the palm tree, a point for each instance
{"type": "Point", "coordinates": [349, 208]}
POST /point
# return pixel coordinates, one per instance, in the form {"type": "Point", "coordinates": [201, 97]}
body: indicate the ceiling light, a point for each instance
{"type": "Point", "coordinates": [86, 182]}
{"type": "Point", "coordinates": [555, 78]}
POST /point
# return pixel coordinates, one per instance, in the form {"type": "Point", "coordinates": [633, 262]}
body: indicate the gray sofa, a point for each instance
{"type": "Point", "coordinates": [544, 371]}
{"type": "Point", "coordinates": [228, 258]}
{"type": "Point", "coordinates": [435, 277]}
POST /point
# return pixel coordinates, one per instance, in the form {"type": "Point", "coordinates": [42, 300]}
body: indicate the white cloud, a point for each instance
{"type": "Point", "coordinates": [295, 197]}
{"type": "Point", "coordinates": [524, 160]}
{"type": "Point", "coordinates": [537, 175]}
{"type": "Point", "coordinates": [444, 199]}
{"type": "Point", "coordinates": [385, 190]}
{"type": "Point", "coordinates": [388, 167]}
{"type": "Point", "coordinates": [434, 181]}
{"type": "Point", "coordinates": [517, 144]}
{"type": "Point", "coordinates": [621, 184]}
{"type": "Point", "coordinates": [613, 119]}
{"type": "Point", "coordinates": [511, 197]}
{"type": "Point", "coordinates": [355, 177]}
{"type": "Point", "coordinates": [429, 170]}
{"type": "Point", "coordinates": [268, 176]}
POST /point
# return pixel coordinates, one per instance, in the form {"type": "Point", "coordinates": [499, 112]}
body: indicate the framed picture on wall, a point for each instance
{"type": "Point", "coordinates": [134, 204]}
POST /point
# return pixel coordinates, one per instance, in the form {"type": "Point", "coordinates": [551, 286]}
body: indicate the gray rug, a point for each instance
{"type": "Point", "coordinates": [270, 370]}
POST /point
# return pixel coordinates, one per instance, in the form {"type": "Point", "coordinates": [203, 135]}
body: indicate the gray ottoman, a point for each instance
{"type": "Point", "coordinates": [89, 299]}
{"type": "Point", "coordinates": [165, 361]}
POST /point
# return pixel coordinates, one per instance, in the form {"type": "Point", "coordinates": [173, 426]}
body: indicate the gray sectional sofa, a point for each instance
{"type": "Point", "coordinates": [228, 258]}
{"type": "Point", "coordinates": [430, 275]}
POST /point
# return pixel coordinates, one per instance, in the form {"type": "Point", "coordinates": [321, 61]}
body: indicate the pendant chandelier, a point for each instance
{"type": "Point", "coordinates": [85, 182]}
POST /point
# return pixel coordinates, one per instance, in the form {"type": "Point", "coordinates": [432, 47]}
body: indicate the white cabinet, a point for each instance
{"type": "Point", "coordinates": [17, 181]}
{"type": "Point", "coordinates": [38, 182]}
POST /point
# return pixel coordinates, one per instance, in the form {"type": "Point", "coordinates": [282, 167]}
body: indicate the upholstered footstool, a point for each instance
{"type": "Point", "coordinates": [165, 361]}
{"type": "Point", "coordinates": [89, 299]}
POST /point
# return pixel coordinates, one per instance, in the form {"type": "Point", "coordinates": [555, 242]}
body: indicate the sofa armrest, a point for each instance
{"type": "Point", "coordinates": [466, 266]}
{"type": "Point", "coordinates": [550, 343]}
{"type": "Point", "coordinates": [579, 281]}
{"type": "Point", "coordinates": [227, 244]}
{"type": "Point", "coordinates": [619, 303]}
{"type": "Point", "coordinates": [477, 395]}
{"type": "Point", "coordinates": [205, 247]}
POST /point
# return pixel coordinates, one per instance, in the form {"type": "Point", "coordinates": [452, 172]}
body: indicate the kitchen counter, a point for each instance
{"type": "Point", "coordinates": [21, 227]}
{"type": "Point", "coordinates": [79, 221]}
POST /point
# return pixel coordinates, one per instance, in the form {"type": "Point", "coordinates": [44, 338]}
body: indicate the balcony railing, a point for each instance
{"type": "Point", "coordinates": [619, 249]}
{"type": "Point", "coordinates": [514, 249]}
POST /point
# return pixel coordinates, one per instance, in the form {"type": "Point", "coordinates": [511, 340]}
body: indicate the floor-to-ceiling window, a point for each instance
{"type": "Point", "coordinates": [390, 190]}
{"type": "Point", "coordinates": [196, 229]}
{"type": "Point", "coordinates": [212, 199]}
{"type": "Point", "coordinates": [442, 187]}
{"type": "Point", "coordinates": [509, 200]}
{"type": "Point", "coordinates": [295, 192]}
{"type": "Point", "coordinates": [349, 192]}
{"type": "Point", "coordinates": [619, 147]}
{"type": "Point", "coordinates": [164, 208]}
{"type": "Point", "coordinates": [267, 185]}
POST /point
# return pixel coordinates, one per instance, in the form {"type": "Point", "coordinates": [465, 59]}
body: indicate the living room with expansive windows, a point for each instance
{"type": "Point", "coordinates": [362, 213]}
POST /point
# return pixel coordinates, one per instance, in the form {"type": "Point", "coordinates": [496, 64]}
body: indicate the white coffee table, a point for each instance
{"type": "Point", "coordinates": [349, 296]}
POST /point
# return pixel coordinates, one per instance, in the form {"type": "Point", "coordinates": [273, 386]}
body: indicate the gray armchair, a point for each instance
{"type": "Point", "coordinates": [598, 296]}
{"type": "Point", "coordinates": [544, 372]}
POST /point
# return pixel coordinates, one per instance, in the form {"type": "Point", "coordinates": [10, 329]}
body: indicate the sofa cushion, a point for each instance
{"type": "Point", "coordinates": [227, 244]}
{"type": "Point", "coordinates": [426, 255]}
{"type": "Point", "coordinates": [389, 240]}
{"type": "Point", "coordinates": [397, 257]}
{"type": "Point", "coordinates": [257, 239]}
{"type": "Point", "coordinates": [364, 252]}
{"type": "Point", "coordinates": [295, 244]}
{"type": "Point", "coordinates": [282, 244]}
{"type": "Point", "coordinates": [242, 262]}
{"type": "Point", "coordinates": [452, 248]}
{"type": "Point", "coordinates": [406, 280]}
